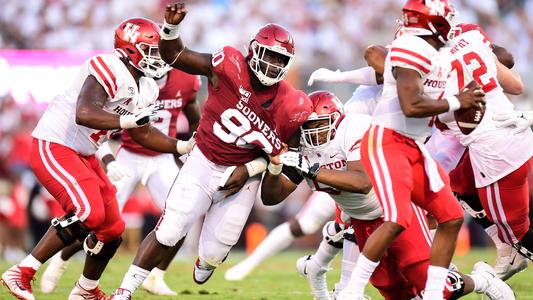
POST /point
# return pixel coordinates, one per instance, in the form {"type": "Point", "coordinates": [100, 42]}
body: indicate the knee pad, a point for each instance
{"type": "Point", "coordinates": [333, 234]}
{"type": "Point", "coordinates": [100, 250]}
{"type": "Point", "coordinates": [472, 205]}
{"type": "Point", "coordinates": [309, 225]}
{"type": "Point", "coordinates": [69, 228]}
{"type": "Point", "coordinates": [455, 285]}
{"type": "Point", "coordinates": [168, 234]}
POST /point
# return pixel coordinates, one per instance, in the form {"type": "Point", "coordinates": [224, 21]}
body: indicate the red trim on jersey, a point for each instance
{"type": "Point", "coordinates": [412, 53]}
{"type": "Point", "coordinates": [355, 145]}
{"type": "Point", "coordinates": [106, 68]}
{"type": "Point", "coordinates": [410, 62]}
{"type": "Point", "coordinates": [107, 86]}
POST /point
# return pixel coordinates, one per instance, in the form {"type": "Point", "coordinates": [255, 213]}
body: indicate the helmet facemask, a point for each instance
{"type": "Point", "coordinates": [322, 134]}
{"type": "Point", "coordinates": [257, 60]}
{"type": "Point", "coordinates": [151, 63]}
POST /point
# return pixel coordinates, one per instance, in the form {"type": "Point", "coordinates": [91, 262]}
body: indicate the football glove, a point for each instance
{"type": "Point", "coordinates": [520, 120]}
{"type": "Point", "coordinates": [297, 161]}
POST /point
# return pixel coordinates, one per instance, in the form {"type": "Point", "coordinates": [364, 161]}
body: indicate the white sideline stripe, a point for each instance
{"type": "Point", "coordinates": [423, 225]}
{"type": "Point", "coordinates": [373, 163]}
{"type": "Point", "coordinates": [386, 175]}
{"type": "Point", "coordinates": [495, 216]}
{"type": "Point", "coordinates": [59, 179]}
{"type": "Point", "coordinates": [502, 213]}
{"type": "Point", "coordinates": [73, 181]}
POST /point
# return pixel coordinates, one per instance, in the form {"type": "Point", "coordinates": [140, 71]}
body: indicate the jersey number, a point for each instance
{"type": "Point", "coordinates": [98, 136]}
{"type": "Point", "coordinates": [468, 59]}
{"type": "Point", "coordinates": [235, 128]}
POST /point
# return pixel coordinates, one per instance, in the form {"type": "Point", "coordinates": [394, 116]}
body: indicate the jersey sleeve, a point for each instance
{"type": "Point", "coordinates": [355, 128]}
{"type": "Point", "coordinates": [103, 68]}
{"type": "Point", "coordinates": [222, 62]}
{"type": "Point", "coordinates": [410, 52]}
{"type": "Point", "coordinates": [481, 34]}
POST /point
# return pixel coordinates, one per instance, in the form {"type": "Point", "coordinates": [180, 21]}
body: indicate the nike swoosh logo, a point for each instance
{"type": "Point", "coordinates": [332, 156]}
{"type": "Point", "coordinates": [23, 289]}
{"type": "Point", "coordinates": [512, 261]}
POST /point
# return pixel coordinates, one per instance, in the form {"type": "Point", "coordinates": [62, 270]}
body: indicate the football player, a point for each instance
{"type": "Point", "coordinates": [134, 163]}
{"type": "Point", "coordinates": [110, 93]}
{"type": "Point", "coordinates": [250, 111]}
{"type": "Point", "coordinates": [331, 159]}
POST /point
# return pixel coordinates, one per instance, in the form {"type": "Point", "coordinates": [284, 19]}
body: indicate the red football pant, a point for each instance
{"type": "Point", "coordinates": [506, 203]}
{"type": "Point", "coordinates": [395, 165]}
{"type": "Point", "coordinates": [462, 179]}
{"type": "Point", "coordinates": [80, 186]}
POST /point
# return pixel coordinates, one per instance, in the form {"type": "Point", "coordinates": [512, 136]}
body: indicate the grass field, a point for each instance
{"type": "Point", "coordinates": [274, 279]}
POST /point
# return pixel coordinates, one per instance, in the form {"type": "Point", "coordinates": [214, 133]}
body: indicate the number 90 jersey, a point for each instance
{"type": "Point", "coordinates": [239, 123]}
{"type": "Point", "coordinates": [410, 52]}
{"type": "Point", "coordinates": [345, 147]}
{"type": "Point", "coordinates": [58, 122]}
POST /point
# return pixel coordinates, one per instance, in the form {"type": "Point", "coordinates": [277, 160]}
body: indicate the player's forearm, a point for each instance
{"type": "Point", "coordinates": [273, 190]}
{"type": "Point", "coordinates": [509, 80]}
{"type": "Point", "coordinates": [153, 139]}
{"type": "Point", "coordinates": [96, 118]}
{"type": "Point", "coordinates": [170, 50]}
{"type": "Point", "coordinates": [349, 181]}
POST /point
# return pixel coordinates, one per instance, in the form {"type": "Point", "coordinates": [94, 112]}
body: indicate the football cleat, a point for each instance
{"type": "Point", "coordinates": [202, 272]}
{"type": "Point", "coordinates": [508, 265]}
{"type": "Point", "coordinates": [316, 275]}
{"type": "Point", "coordinates": [120, 294]}
{"type": "Point", "coordinates": [493, 287]}
{"type": "Point", "coordinates": [18, 281]}
{"type": "Point", "coordinates": [79, 293]}
{"type": "Point", "coordinates": [156, 285]}
{"type": "Point", "coordinates": [238, 272]}
{"type": "Point", "coordinates": [53, 273]}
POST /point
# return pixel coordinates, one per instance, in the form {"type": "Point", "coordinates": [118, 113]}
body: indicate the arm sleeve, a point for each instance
{"type": "Point", "coordinates": [101, 67]}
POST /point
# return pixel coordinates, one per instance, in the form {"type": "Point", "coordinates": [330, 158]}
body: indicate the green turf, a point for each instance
{"type": "Point", "coordinates": [274, 279]}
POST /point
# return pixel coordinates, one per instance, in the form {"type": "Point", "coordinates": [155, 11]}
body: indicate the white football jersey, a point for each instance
{"type": "Point", "coordinates": [494, 152]}
{"type": "Point", "coordinates": [58, 123]}
{"type": "Point", "coordinates": [414, 53]}
{"type": "Point", "coordinates": [364, 99]}
{"type": "Point", "coordinates": [345, 147]}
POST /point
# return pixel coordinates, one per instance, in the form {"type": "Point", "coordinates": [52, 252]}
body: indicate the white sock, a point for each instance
{"type": "Point", "coordinates": [86, 283]}
{"type": "Point", "coordinates": [278, 239]}
{"type": "Point", "coordinates": [350, 252]}
{"type": "Point", "coordinates": [156, 272]}
{"type": "Point", "coordinates": [492, 232]}
{"type": "Point", "coordinates": [361, 275]}
{"type": "Point", "coordinates": [432, 233]}
{"type": "Point", "coordinates": [435, 283]}
{"type": "Point", "coordinates": [325, 254]}
{"type": "Point", "coordinates": [134, 278]}
{"type": "Point", "coordinates": [31, 262]}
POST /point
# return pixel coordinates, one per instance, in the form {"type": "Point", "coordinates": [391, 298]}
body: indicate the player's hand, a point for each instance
{"type": "Point", "coordinates": [174, 13]}
{"type": "Point", "coordinates": [275, 158]}
{"type": "Point", "coordinates": [471, 96]}
{"type": "Point", "coordinates": [296, 160]}
{"type": "Point", "coordinates": [323, 75]}
{"type": "Point", "coordinates": [236, 181]}
{"type": "Point", "coordinates": [142, 117]}
{"type": "Point", "coordinates": [519, 120]}
{"type": "Point", "coordinates": [116, 171]}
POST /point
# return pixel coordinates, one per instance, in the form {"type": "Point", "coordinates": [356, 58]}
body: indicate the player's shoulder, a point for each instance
{"type": "Point", "coordinates": [412, 52]}
{"type": "Point", "coordinates": [228, 62]}
{"type": "Point", "coordinates": [180, 78]}
{"type": "Point", "coordinates": [294, 100]}
{"type": "Point", "coordinates": [110, 71]}
{"type": "Point", "coordinates": [411, 43]}
{"type": "Point", "coordinates": [474, 31]}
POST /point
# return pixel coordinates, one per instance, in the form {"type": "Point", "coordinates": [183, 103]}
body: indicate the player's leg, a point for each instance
{"type": "Point", "coordinates": [222, 228]}
{"type": "Point", "coordinates": [158, 185]}
{"type": "Point", "coordinates": [318, 208]}
{"type": "Point", "coordinates": [383, 150]}
{"type": "Point", "coordinates": [350, 252]}
{"type": "Point", "coordinates": [187, 200]}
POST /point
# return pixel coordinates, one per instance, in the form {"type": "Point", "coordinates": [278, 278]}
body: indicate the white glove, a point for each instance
{"type": "Point", "coordinates": [296, 160]}
{"type": "Point", "coordinates": [142, 117]}
{"type": "Point", "coordinates": [116, 171]}
{"type": "Point", "coordinates": [520, 120]}
{"type": "Point", "coordinates": [323, 75]}
{"type": "Point", "coordinates": [186, 146]}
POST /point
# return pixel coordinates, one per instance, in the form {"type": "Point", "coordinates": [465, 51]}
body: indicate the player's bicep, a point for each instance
{"type": "Point", "coordinates": [194, 63]}
{"type": "Point", "coordinates": [509, 80]}
{"type": "Point", "coordinates": [408, 86]}
{"type": "Point", "coordinates": [92, 96]}
{"type": "Point", "coordinates": [192, 113]}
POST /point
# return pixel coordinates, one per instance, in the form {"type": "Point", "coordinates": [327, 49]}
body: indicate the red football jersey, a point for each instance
{"type": "Point", "coordinates": [235, 126]}
{"type": "Point", "coordinates": [179, 89]}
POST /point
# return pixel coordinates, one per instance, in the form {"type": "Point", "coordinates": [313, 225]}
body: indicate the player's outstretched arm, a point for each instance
{"type": "Point", "coordinates": [375, 56]}
{"type": "Point", "coordinates": [173, 51]}
{"type": "Point", "coordinates": [415, 104]}
{"type": "Point", "coordinates": [509, 80]}
{"type": "Point", "coordinates": [276, 186]}
{"type": "Point", "coordinates": [153, 139]}
{"type": "Point", "coordinates": [354, 179]}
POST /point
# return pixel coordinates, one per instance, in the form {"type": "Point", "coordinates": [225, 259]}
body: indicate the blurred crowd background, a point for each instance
{"type": "Point", "coordinates": [327, 33]}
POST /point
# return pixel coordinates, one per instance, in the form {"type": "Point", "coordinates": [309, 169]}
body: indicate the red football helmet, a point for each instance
{"type": "Point", "coordinates": [271, 38]}
{"type": "Point", "coordinates": [136, 39]}
{"type": "Point", "coordinates": [326, 106]}
{"type": "Point", "coordinates": [429, 17]}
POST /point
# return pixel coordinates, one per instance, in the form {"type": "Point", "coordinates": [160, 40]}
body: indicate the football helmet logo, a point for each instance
{"type": "Point", "coordinates": [136, 39]}
{"type": "Point", "coordinates": [321, 125]}
{"type": "Point", "coordinates": [429, 17]}
{"type": "Point", "coordinates": [271, 40]}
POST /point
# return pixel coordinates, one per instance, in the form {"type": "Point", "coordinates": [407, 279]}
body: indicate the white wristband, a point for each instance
{"type": "Point", "coordinates": [453, 103]}
{"type": "Point", "coordinates": [275, 169]}
{"type": "Point", "coordinates": [169, 31]}
{"type": "Point", "coordinates": [256, 166]}
{"type": "Point", "coordinates": [181, 146]}
{"type": "Point", "coordinates": [127, 122]}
